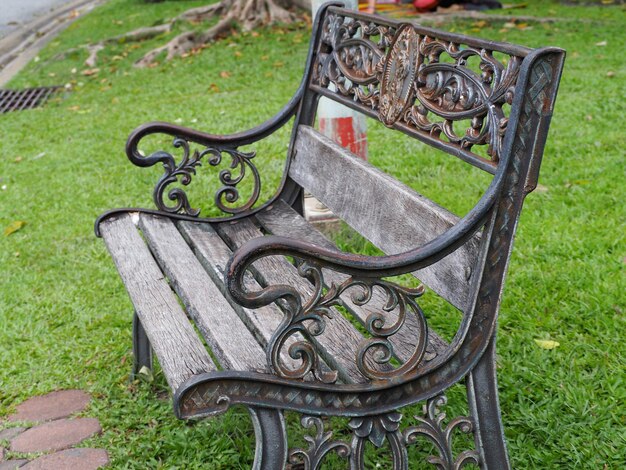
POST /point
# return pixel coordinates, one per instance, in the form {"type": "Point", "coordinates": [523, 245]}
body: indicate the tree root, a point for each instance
{"type": "Point", "coordinates": [93, 50]}
{"type": "Point", "coordinates": [249, 14]}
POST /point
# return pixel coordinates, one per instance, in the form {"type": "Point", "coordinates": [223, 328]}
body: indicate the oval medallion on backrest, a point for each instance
{"type": "Point", "coordinates": [401, 67]}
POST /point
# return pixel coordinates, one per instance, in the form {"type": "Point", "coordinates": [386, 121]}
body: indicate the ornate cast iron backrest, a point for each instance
{"type": "Point", "coordinates": [451, 91]}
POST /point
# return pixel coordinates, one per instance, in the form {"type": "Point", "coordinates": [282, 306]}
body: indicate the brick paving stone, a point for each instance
{"type": "Point", "coordinates": [56, 435]}
{"type": "Point", "coordinates": [55, 405]}
{"type": "Point", "coordinates": [10, 433]}
{"type": "Point", "coordinates": [12, 464]}
{"type": "Point", "coordinates": [83, 459]}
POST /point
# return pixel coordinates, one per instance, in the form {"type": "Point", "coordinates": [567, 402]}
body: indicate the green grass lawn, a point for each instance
{"type": "Point", "coordinates": [65, 319]}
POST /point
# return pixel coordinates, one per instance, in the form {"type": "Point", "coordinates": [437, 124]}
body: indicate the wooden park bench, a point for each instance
{"type": "Point", "coordinates": [257, 308]}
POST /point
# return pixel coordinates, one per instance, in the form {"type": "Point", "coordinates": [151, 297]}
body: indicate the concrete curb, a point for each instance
{"type": "Point", "coordinates": [20, 46]}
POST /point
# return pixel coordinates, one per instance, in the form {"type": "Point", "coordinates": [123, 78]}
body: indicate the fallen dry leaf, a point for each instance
{"type": "Point", "coordinates": [224, 74]}
{"type": "Point", "coordinates": [90, 72]}
{"type": "Point", "coordinates": [238, 54]}
{"type": "Point", "coordinates": [145, 374]}
{"type": "Point", "coordinates": [547, 343]}
{"type": "Point", "coordinates": [14, 227]}
{"type": "Point", "coordinates": [601, 43]}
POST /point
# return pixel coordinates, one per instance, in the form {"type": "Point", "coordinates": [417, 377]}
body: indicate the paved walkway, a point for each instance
{"type": "Point", "coordinates": [14, 14]}
{"type": "Point", "coordinates": [19, 43]}
{"type": "Point", "coordinates": [42, 434]}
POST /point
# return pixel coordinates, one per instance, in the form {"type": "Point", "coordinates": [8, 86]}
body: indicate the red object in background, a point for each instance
{"type": "Point", "coordinates": [346, 132]}
{"type": "Point", "coordinates": [425, 5]}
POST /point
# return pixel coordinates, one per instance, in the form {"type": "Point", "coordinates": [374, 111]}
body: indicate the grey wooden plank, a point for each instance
{"type": "Point", "coordinates": [173, 338]}
{"type": "Point", "coordinates": [339, 342]}
{"type": "Point", "coordinates": [281, 219]}
{"type": "Point", "coordinates": [389, 214]}
{"type": "Point", "coordinates": [214, 254]}
{"type": "Point", "coordinates": [229, 339]}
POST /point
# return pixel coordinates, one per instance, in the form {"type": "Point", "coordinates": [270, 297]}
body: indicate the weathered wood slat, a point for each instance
{"type": "Point", "coordinates": [280, 219]}
{"type": "Point", "coordinates": [389, 214]}
{"type": "Point", "coordinates": [214, 254]}
{"type": "Point", "coordinates": [174, 341]}
{"type": "Point", "coordinates": [340, 341]}
{"type": "Point", "coordinates": [229, 339]}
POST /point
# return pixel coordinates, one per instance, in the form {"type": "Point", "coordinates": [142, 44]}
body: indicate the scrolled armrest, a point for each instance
{"type": "Point", "coordinates": [307, 315]}
{"type": "Point", "coordinates": [212, 149]}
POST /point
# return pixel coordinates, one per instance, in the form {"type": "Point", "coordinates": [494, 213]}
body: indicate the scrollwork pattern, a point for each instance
{"type": "Point", "coordinates": [383, 428]}
{"type": "Point", "coordinates": [182, 173]}
{"type": "Point", "coordinates": [431, 427]}
{"type": "Point", "coordinates": [374, 355]}
{"type": "Point", "coordinates": [368, 63]}
{"type": "Point", "coordinates": [354, 61]}
{"type": "Point", "coordinates": [319, 445]}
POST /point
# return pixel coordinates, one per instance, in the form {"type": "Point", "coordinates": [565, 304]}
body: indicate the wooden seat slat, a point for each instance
{"type": "Point", "coordinates": [391, 215]}
{"type": "Point", "coordinates": [173, 339]}
{"type": "Point", "coordinates": [230, 341]}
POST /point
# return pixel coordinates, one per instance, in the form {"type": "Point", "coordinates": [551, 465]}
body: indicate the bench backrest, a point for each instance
{"type": "Point", "coordinates": [461, 95]}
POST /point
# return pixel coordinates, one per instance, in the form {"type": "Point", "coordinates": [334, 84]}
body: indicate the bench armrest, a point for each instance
{"type": "Point", "coordinates": [210, 148]}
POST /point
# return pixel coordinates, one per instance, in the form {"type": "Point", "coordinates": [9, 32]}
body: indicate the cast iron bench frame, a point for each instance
{"type": "Point", "coordinates": [298, 353]}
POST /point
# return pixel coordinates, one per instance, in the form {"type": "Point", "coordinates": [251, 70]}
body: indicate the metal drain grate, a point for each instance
{"type": "Point", "coordinates": [29, 98]}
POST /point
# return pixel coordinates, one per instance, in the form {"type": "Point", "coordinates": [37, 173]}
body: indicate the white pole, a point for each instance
{"type": "Point", "coordinates": [338, 122]}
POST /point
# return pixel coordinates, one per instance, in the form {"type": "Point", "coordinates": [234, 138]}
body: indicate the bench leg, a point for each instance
{"type": "Point", "coordinates": [142, 351]}
{"type": "Point", "coordinates": [271, 439]}
{"type": "Point", "coordinates": [482, 391]}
